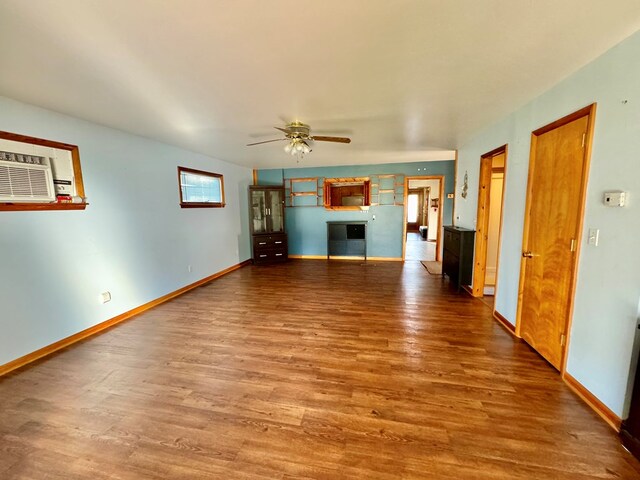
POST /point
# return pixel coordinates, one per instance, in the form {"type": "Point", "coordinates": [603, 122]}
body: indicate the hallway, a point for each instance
{"type": "Point", "coordinates": [419, 249]}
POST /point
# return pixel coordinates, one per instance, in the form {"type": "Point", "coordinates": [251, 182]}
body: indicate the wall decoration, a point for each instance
{"type": "Point", "coordinates": [465, 185]}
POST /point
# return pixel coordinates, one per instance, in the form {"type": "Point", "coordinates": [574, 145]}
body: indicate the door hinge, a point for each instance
{"type": "Point", "coordinates": [563, 340]}
{"type": "Point", "coordinates": [573, 244]}
{"type": "Point", "coordinates": [584, 139]}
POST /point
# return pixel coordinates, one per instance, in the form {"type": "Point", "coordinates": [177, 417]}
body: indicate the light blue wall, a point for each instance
{"type": "Point", "coordinates": [608, 288]}
{"type": "Point", "coordinates": [133, 239]}
{"type": "Point", "coordinates": [306, 226]}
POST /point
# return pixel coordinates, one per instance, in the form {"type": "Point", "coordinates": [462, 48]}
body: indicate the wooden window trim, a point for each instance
{"type": "Point", "coordinates": [328, 182]}
{"type": "Point", "coordinates": [77, 173]}
{"type": "Point", "coordinates": [184, 204]}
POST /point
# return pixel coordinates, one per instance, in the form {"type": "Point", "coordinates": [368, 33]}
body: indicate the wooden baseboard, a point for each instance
{"type": "Point", "coordinates": [100, 327]}
{"type": "Point", "coordinates": [505, 323]}
{"type": "Point", "coordinates": [369, 259]}
{"type": "Point", "coordinates": [590, 399]}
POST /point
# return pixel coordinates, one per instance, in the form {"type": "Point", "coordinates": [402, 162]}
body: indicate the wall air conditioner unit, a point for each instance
{"type": "Point", "coordinates": [26, 179]}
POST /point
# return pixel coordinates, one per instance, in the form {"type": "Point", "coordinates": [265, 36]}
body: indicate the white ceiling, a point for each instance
{"type": "Point", "coordinates": [406, 79]}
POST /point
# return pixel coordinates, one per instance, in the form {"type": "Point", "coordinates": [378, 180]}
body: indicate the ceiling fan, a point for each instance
{"type": "Point", "coordinates": [298, 135]}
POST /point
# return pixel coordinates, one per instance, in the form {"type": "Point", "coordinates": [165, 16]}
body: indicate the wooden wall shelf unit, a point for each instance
{"type": "Point", "coordinates": [77, 176]}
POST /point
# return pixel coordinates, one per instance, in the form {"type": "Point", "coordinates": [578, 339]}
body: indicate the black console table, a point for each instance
{"type": "Point", "coordinates": [346, 238]}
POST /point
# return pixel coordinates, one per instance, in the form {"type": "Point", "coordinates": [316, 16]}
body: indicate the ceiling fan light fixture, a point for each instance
{"type": "Point", "coordinates": [297, 135]}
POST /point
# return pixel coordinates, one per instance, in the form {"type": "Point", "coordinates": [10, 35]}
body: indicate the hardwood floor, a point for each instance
{"type": "Point", "coordinates": [304, 370]}
{"type": "Point", "coordinates": [419, 249]}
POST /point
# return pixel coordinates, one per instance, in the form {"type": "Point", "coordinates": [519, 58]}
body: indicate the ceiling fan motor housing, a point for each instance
{"type": "Point", "coordinates": [298, 130]}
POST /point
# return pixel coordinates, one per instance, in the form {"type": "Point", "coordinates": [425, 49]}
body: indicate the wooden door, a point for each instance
{"type": "Point", "coordinates": [482, 226]}
{"type": "Point", "coordinates": [555, 200]}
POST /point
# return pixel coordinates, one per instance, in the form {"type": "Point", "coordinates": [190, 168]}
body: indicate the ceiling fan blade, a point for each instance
{"type": "Point", "coordinates": [331, 139]}
{"type": "Point", "coordinates": [266, 141]}
{"type": "Point", "coordinates": [282, 129]}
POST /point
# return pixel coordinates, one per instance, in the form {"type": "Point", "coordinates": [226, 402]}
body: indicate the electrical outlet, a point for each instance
{"type": "Point", "coordinates": [105, 297]}
{"type": "Point", "coordinates": [594, 235]}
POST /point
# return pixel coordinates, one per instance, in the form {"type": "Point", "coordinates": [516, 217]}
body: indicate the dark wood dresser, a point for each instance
{"type": "Point", "coordinates": [630, 431]}
{"type": "Point", "coordinates": [270, 248]}
{"type": "Point", "coordinates": [457, 260]}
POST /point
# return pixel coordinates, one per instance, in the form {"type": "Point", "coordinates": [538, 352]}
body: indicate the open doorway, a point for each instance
{"type": "Point", "coordinates": [423, 220]}
{"type": "Point", "coordinates": [489, 223]}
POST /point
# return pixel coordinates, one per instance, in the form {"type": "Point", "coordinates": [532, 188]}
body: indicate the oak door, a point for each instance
{"type": "Point", "coordinates": [557, 176]}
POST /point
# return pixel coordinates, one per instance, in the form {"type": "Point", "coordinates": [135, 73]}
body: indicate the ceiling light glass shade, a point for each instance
{"type": "Point", "coordinates": [297, 147]}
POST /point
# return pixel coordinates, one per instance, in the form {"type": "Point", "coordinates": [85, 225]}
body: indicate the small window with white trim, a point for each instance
{"type": "Point", "coordinates": [199, 189]}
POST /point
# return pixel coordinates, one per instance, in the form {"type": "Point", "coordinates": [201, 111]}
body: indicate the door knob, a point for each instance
{"type": "Point", "coordinates": [527, 254]}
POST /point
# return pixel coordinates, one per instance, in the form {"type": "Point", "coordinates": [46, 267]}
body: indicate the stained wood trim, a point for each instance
{"type": "Point", "coordinates": [440, 221]}
{"type": "Point", "coordinates": [65, 342]}
{"type": "Point", "coordinates": [590, 399]}
{"type": "Point", "coordinates": [326, 191]}
{"type": "Point", "coordinates": [304, 194]}
{"type": "Point", "coordinates": [482, 224]}
{"type": "Point", "coordinates": [255, 176]}
{"type": "Point", "coordinates": [22, 207]}
{"type": "Point", "coordinates": [455, 188]}
{"type": "Point", "coordinates": [349, 179]}
{"type": "Point", "coordinates": [305, 180]}
{"type": "Point", "coordinates": [590, 111]}
{"type": "Point", "coordinates": [502, 203]}
{"type": "Point", "coordinates": [362, 207]}
{"type": "Point", "coordinates": [482, 220]}
{"type": "Point", "coordinates": [404, 217]}
{"type": "Point", "coordinates": [77, 174]}
{"type": "Point", "coordinates": [505, 323]}
{"type": "Point", "coordinates": [441, 178]}
{"type": "Point", "coordinates": [183, 204]}
{"type": "Point", "coordinates": [495, 151]}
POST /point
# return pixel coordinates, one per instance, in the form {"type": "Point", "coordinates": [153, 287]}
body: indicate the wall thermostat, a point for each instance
{"type": "Point", "coordinates": [615, 199]}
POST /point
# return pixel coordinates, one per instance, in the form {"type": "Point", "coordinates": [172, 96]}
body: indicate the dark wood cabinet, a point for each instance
{"type": "Point", "coordinates": [457, 259]}
{"type": "Point", "coordinates": [347, 238]}
{"type": "Point", "coordinates": [630, 431]}
{"type": "Point", "coordinates": [266, 217]}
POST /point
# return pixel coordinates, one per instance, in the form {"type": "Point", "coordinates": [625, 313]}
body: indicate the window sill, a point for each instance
{"type": "Point", "coordinates": [202, 205]}
{"type": "Point", "coordinates": [364, 207]}
{"type": "Point", "coordinates": [20, 207]}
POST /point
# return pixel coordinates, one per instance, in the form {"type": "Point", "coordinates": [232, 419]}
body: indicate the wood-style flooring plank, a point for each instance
{"type": "Point", "coordinates": [305, 370]}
